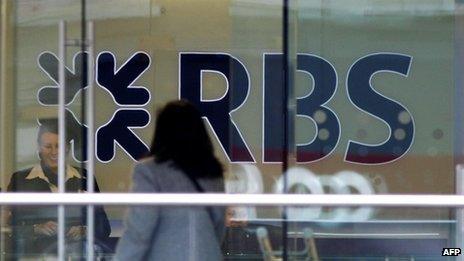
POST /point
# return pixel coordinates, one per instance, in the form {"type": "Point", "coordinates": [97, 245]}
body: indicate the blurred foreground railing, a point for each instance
{"type": "Point", "coordinates": [230, 199]}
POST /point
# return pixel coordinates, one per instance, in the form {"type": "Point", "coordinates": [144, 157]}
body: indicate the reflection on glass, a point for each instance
{"type": "Point", "coordinates": [345, 239]}
{"type": "Point", "coordinates": [391, 238]}
{"type": "Point", "coordinates": [350, 55]}
{"type": "Point", "coordinates": [360, 128]}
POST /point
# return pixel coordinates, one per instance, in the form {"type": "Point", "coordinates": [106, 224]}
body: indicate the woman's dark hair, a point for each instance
{"type": "Point", "coordinates": [181, 136]}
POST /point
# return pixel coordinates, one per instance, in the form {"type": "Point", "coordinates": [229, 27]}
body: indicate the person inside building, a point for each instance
{"type": "Point", "coordinates": [35, 228]}
{"type": "Point", "coordinates": [181, 161]}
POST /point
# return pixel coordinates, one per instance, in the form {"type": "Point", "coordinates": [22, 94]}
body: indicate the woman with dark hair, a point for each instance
{"type": "Point", "coordinates": [181, 161]}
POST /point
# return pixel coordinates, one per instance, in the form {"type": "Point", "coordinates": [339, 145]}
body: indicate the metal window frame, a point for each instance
{"type": "Point", "coordinates": [86, 42]}
{"type": "Point", "coordinates": [217, 199]}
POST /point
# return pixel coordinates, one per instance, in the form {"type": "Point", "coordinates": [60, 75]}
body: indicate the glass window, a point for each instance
{"type": "Point", "coordinates": [301, 97]}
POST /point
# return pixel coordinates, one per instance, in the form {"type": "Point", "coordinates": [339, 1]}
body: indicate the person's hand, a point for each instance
{"type": "Point", "coordinates": [76, 232]}
{"type": "Point", "coordinates": [46, 229]}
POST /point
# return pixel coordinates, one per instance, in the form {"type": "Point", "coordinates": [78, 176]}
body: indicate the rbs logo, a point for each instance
{"type": "Point", "coordinates": [118, 82]}
{"type": "Point", "coordinates": [359, 88]}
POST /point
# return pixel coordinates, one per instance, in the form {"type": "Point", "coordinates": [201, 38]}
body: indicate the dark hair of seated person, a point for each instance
{"type": "Point", "coordinates": [181, 136]}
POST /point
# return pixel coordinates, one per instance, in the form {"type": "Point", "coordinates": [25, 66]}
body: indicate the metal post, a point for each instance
{"type": "Point", "coordinates": [90, 113]}
{"type": "Point", "coordinates": [7, 103]}
{"type": "Point", "coordinates": [62, 135]}
{"type": "Point", "coordinates": [285, 149]}
{"type": "Point", "coordinates": [459, 212]}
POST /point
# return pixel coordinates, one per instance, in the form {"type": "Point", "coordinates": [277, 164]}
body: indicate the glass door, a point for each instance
{"type": "Point", "coordinates": [44, 79]}
{"type": "Point", "coordinates": [298, 97]}
{"type": "Point", "coordinates": [377, 104]}
{"type": "Point", "coordinates": [215, 54]}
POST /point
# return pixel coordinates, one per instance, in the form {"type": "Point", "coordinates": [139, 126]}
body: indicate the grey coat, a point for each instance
{"type": "Point", "coordinates": [171, 233]}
